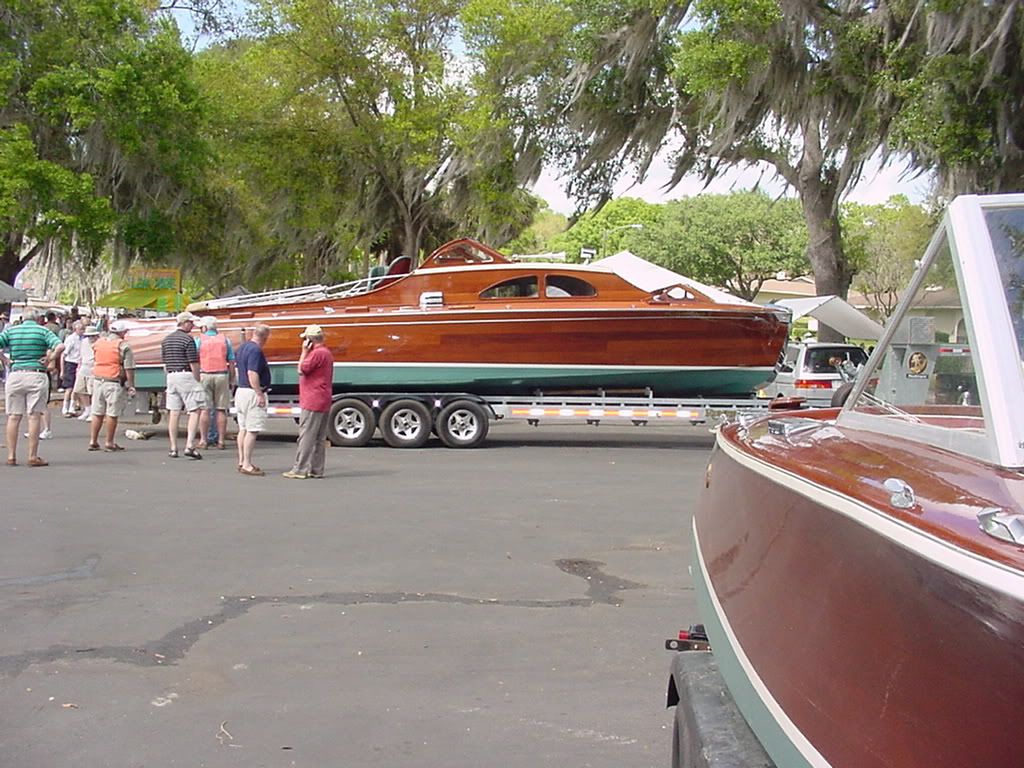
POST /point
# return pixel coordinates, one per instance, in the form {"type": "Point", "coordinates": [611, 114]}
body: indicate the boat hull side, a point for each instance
{"type": "Point", "coordinates": [486, 379]}
{"type": "Point", "coordinates": [878, 656]}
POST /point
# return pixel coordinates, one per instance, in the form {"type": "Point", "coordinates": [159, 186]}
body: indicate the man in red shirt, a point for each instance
{"type": "Point", "coordinates": [316, 376]}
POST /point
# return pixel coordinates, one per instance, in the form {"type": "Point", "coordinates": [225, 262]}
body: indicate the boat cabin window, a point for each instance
{"type": "Point", "coordinates": [922, 381]}
{"type": "Point", "coordinates": [463, 253]}
{"type": "Point", "coordinates": [562, 286]}
{"type": "Point", "coordinates": [516, 288]}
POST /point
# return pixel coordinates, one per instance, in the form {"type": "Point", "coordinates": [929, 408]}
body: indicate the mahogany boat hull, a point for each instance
{"type": "Point", "coordinates": [669, 350]}
{"type": "Point", "coordinates": [851, 635]}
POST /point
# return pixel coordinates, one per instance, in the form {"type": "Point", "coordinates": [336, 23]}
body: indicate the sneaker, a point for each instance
{"type": "Point", "coordinates": [46, 434]}
{"type": "Point", "coordinates": [294, 475]}
{"type": "Point", "coordinates": [85, 415]}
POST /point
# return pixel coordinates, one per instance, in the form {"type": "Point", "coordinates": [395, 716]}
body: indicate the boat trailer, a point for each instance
{"type": "Point", "coordinates": [708, 731]}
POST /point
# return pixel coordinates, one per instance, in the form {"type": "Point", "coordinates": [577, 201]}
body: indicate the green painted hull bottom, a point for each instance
{"type": "Point", "coordinates": [760, 719]}
{"type": "Point", "coordinates": [512, 380]}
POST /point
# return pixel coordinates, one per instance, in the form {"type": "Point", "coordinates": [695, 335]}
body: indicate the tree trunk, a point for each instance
{"type": "Point", "coordinates": [409, 244]}
{"type": "Point", "coordinates": [832, 275]}
{"type": "Point", "coordinates": [10, 259]}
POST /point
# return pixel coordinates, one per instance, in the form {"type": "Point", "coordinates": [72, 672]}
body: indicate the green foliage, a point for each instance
{"type": "Point", "coordinates": [608, 230]}
{"type": "Point", "coordinates": [545, 227]}
{"type": "Point", "coordinates": [737, 240]}
{"type": "Point", "coordinates": [45, 200]}
{"type": "Point", "coordinates": [883, 242]}
{"type": "Point", "coordinates": [105, 99]}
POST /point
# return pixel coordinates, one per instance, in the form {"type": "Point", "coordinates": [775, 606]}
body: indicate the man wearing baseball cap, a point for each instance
{"type": "Point", "coordinates": [184, 392]}
{"type": "Point", "coordinates": [113, 368]}
{"type": "Point", "coordinates": [316, 378]}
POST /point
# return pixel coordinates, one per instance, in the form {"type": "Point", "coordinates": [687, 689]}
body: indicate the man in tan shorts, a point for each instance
{"type": "Point", "coordinates": [34, 351]}
{"type": "Point", "coordinates": [251, 397]}
{"type": "Point", "coordinates": [114, 367]}
{"type": "Point", "coordinates": [216, 374]}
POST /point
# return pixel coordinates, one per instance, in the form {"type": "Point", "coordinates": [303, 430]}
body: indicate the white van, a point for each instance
{"type": "Point", "coordinates": [810, 370]}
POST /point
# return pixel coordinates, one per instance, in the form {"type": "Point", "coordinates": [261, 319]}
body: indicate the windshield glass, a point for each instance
{"type": "Point", "coordinates": [1006, 228]}
{"type": "Point", "coordinates": [926, 374]}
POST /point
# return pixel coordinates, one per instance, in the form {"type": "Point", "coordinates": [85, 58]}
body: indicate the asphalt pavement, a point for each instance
{"type": "Point", "coordinates": [501, 606]}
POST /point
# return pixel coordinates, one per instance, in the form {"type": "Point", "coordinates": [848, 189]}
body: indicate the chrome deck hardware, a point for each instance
{"type": "Point", "coordinates": [902, 494]}
{"type": "Point", "coordinates": [1002, 525]}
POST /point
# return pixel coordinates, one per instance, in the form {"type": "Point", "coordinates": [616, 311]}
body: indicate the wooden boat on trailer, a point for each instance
{"type": "Point", "coordinates": [470, 320]}
{"type": "Point", "coordinates": [860, 571]}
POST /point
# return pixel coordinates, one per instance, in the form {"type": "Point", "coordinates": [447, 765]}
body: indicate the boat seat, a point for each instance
{"type": "Point", "coordinates": [394, 270]}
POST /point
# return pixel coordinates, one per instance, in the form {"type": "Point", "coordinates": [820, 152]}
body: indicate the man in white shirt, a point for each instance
{"type": "Point", "coordinates": [83, 377]}
{"type": "Point", "coordinates": [72, 358]}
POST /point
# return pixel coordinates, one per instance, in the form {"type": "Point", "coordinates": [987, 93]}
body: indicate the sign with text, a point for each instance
{"type": "Point", "coordinates": [155, 279]}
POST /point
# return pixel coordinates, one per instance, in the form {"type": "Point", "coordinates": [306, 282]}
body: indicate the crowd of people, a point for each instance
{"type": "Point", "coordinates": [96, 371]}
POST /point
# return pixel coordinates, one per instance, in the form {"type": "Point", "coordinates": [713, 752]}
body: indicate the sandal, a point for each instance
{"type": "Point", "coordinates": [94, 446]}
{"type": "Point", "coordinates": [192, 453]}
{"type": "Point", "coordinates": [173, 454]}
{"type": "Point", "coordinates": [12, 462]}
{"type": "Point", "coordinates": [254, 472]}
{"type": "Point", "coordinates": [112, 448]}
{"type": "Point", "coordinates": [38, 462]}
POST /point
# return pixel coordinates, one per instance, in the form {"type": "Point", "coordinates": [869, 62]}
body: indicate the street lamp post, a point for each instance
{"type": "Point", "coordinates": [604, 235]}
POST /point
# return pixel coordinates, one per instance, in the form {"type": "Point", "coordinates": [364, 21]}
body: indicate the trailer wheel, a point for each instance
{"type": "Point", "coordinates": [462, 424]}
{"type": "Point", "coordinates": [351, 423]}
{"type": "Point", "coordinates": [841, 395]}
{"type": "Point", "coordinates": [405, 424]}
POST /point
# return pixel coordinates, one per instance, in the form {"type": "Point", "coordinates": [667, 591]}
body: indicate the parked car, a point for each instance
{"type": "Point", "coordinates": [812, 370]}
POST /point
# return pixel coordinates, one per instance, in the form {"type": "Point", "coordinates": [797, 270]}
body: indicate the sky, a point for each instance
{"type": "Point", "coordinates": [877, 185]}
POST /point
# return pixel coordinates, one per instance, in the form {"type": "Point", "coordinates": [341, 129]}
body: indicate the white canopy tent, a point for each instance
{"type": "Point", "coordinates": [650, 277]}
{"type": "Point", "coordinates": [835, 313]}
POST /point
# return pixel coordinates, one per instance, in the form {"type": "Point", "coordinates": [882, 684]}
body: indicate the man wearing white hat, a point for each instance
{"type": "Point", "coordinates": [316, 379]}
{"type": "Point", "coordinates": [184, 392]}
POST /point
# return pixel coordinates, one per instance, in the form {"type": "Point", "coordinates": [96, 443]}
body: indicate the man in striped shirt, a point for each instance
{"type": "Point", "coordinates": [34, 350]}
{"type": "Point", "coordinates": [184, 392]}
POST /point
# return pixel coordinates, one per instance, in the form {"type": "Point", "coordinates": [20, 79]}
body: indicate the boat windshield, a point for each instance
{"type": "Point", "coordinates": [948, 369]}
{"type": "Point", "coordinates": [1006, 229]}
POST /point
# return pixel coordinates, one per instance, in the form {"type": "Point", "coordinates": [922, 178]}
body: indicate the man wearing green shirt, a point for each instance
{"type": "Point", "coordinates": [34, 350]}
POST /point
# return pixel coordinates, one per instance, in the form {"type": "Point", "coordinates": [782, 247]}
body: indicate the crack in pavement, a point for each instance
{"type": "Point", "coordinates": [602, 589]}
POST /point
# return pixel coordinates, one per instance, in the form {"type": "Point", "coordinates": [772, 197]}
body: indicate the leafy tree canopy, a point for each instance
{"type": "Point", "coordinates": [737, 241]}
{"type": "Point", "coordinates": [885, 241]}
{"type": "Point", "coordinates": [101, 127]}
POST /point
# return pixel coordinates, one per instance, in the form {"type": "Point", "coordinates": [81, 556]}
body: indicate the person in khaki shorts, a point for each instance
{"type": "Point", "coordinates": [251, 397]}
{"type": "Point", "coordinates": [216, 374]}
{"type": "Point", "coordinates": [34, 351]}
{"type": "Point", "coordinates": [184, 392]}
{"type": "Point", "coordinates": [114, 365]}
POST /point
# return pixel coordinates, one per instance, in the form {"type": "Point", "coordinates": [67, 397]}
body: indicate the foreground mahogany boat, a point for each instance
{"type": "Point", "coordinates": [468, 319]}
{"type": "Point", "coordinates": [861, 571]}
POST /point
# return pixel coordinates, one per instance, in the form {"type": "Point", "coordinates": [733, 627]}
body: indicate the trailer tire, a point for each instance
{"type": "Point", "coordinates": [405, 424]}
{"type": "Point", "coordinates": [351, 423]}
{"type": "Point", "coordinates": [841, 395]}
{"type": "Point", "coordinates": [462, 424]}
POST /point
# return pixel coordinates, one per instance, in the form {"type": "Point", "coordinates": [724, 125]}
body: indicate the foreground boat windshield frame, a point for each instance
{"type": "Point", "coordinates": [990, 334]}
